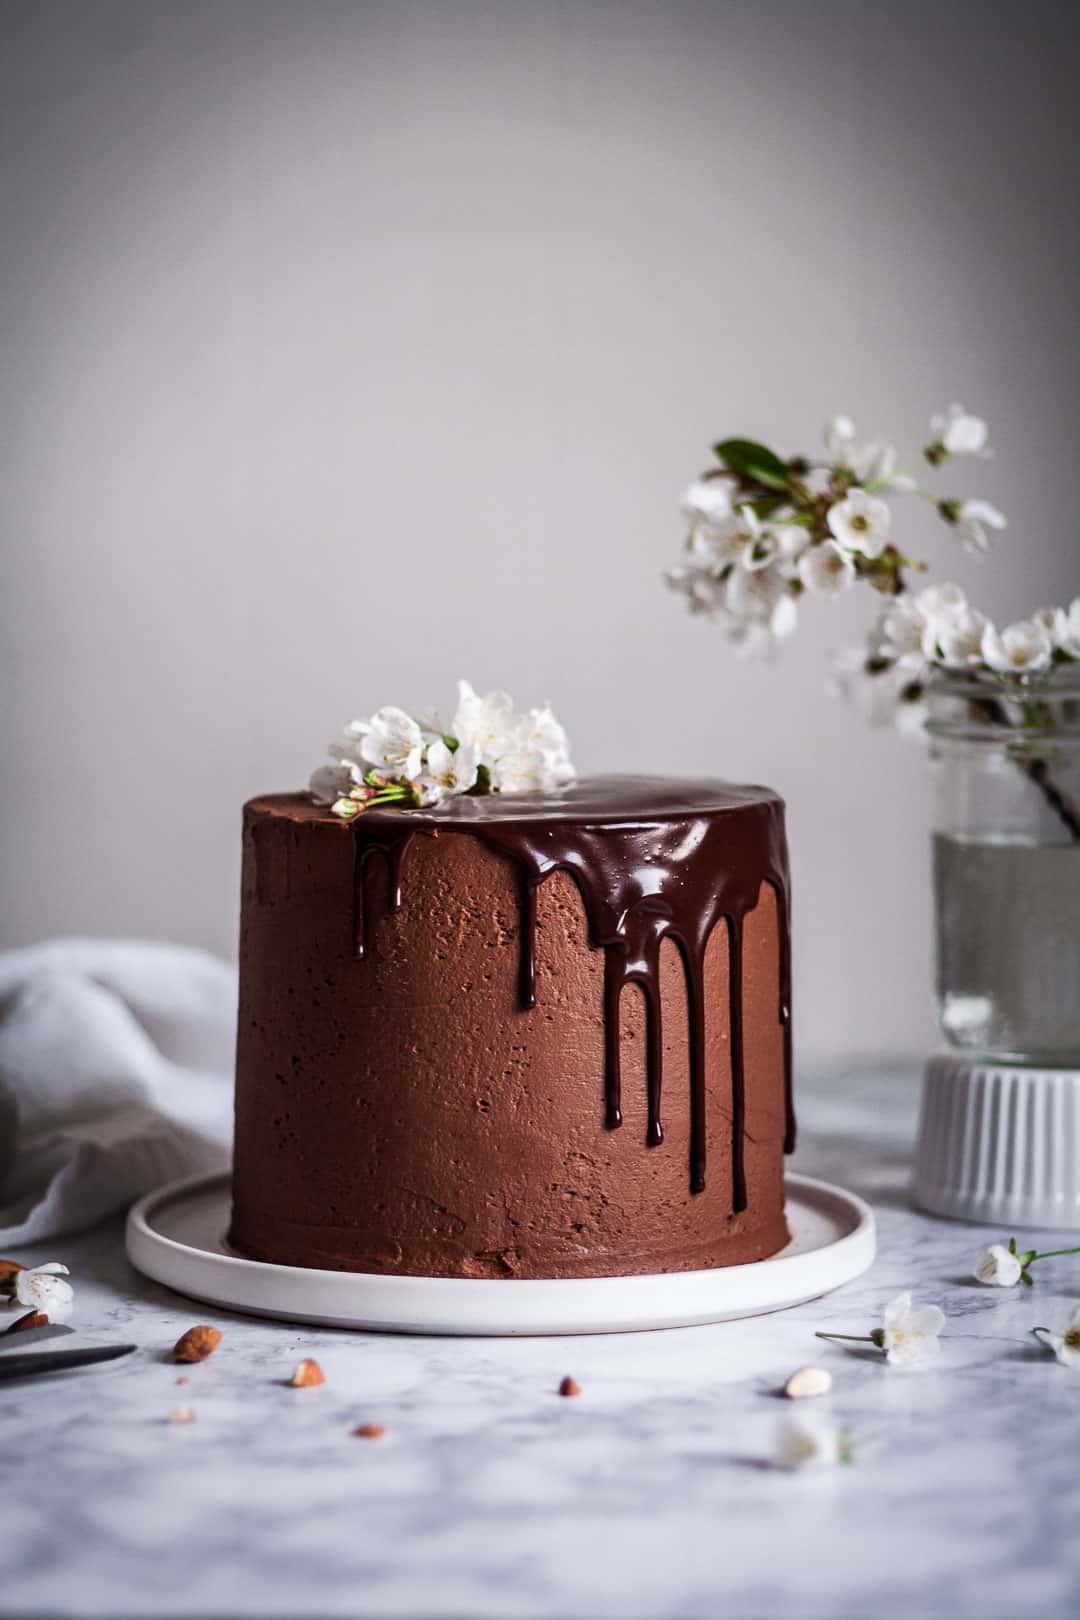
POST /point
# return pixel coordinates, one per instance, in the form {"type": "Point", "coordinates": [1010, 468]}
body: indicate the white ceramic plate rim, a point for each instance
{"type": "Point", "coordinates": [505, 1306]}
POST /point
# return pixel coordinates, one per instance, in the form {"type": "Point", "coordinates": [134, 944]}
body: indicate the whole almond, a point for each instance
{"type": "Point", "coordinates": [197, 1343]}
{"type": "Point", "coordinates": [569, 1386]}
{"type": "Point", "coordinates": [308, 1373]}
{"type": "Point", "coordinates": [808, 1381]}
{"type": "Point", "coordinates": [32, 1319]}
{"type": "Point", "coordinates": [369, 1431]}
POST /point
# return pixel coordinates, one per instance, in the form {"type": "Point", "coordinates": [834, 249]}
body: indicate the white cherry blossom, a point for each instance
{"type": "Point", "coordinates": [42, 1288]}
{"type": "Point", "coordinates": [543, 732]}
{"type": "Point", "coordinates": [955, 640]}
{"type": "Point", "coordinates": [791, 538]}
{"type": "Point", "coordinates": [753, 593]}
{"type": "Point", "coordinates": [1065, 629]}
{"type": "Point", "coordinates": [973, 522]}
{"type": "Point", "coordinates": [750, 541]}
{"type": "Point", "coordinates": [997, 1266]}
{"type": "Point", "coordinates": [873, 461]}
{"type": "Point", "coordinates": [861, 522]}
{"type": "Point", "coordinates": [941, 603]}
{"type": "Point", "coordinates": [1023, 648]}
{"type": "Point", "coordinates": [805, 1441]}
{"type": "Point", "coordinates": [760, 551]}
{"type": "Point", "coordinates": [447, 771]}
{"type": "Point", "coordinates": [904, 627]}
{"type": "Point", "coordinates": [840, 441]}
{"type": "Point", "coordinates": [708, 502]}
{"type": "Point", "coordinates": [333, 781]}
{"type": "Point", "coordinates": [535, 758]}
{"type": "Point", "coordinates": [1066, 1344]}
{"type": "Point", "coordinates": [351, 742]}
{"type": "Point", "coordinates": [826, 570]}
{"type": "Point", "coordinates": [960, 432]}
{"type": "Point", "coordinates": [522, 768]}
{"type": "Point", "coordinates": [430, 724]}
{"type": "Point", "coordinates": [879, 469]}
{"type": "Point", "coordinates": [909, 1334]}
{"type": "Point", "coordinates": [908, 1337]}
{"type": "Point", "coordinates": [784, 618]}
{"type": "Point", "coordinates": [710, 548]}
{"type": "Point", "coordinates": [939, 616]}
{"type": "Point", "coordinates": [393, 742]}
{"type": "Point", "coordinates": [487, 723]}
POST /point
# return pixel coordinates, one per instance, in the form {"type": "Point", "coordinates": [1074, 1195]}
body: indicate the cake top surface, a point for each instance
{"type": "Point", "coordinates": [596, 801]}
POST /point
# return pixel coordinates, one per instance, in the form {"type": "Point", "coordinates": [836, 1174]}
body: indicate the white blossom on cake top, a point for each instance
{"type": "Point", "coordinates": [397, 759]}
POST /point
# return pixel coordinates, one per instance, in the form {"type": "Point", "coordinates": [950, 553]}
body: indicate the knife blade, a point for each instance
{"type": "Point", "coordinates": [30, 1364]}
{"type": "Point", "coordinates": [25, 1337]}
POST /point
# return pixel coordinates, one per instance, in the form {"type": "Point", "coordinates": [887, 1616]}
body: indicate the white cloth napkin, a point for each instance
{"type": "Point", "coordinates": [115, 1076]}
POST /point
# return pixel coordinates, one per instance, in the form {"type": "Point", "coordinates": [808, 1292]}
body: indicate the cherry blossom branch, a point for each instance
{"type": "Point", "coordinates": [765, 532]}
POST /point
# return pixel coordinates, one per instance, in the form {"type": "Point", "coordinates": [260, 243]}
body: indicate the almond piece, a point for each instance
{"type": "Point", "coordinates": [197, 1343]}
{"type": "Point", "coordinates": [808, 1381]}
{"type": "Point", "coordinates": [32, 1319]}
{"type": "Point", "coordinates": [308, 1373]}
{"type": "Point", "coordinates": [569, 1386]}
{"type": "Point", "coordinates": [369, 1431]}
{"type": "Point", "coordinates": [181, 1414]}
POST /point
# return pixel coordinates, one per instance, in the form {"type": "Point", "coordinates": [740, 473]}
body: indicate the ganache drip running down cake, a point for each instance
{"type": "Point", "coordinates": [534, 1035]}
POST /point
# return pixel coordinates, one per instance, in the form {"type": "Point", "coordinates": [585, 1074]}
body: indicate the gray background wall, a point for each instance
{"type": "Point", "coordinates": [350, 347]}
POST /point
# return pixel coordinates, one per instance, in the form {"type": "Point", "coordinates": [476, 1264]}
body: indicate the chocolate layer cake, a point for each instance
{"type": "Point", "coordinates": [515, 1037]}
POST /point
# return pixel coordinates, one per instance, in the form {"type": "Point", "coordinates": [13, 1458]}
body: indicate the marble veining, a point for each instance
{"type": "Point", "coordinates": [492, 1497]}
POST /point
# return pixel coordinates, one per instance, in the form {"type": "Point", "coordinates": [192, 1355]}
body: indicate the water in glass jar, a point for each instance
{"type": "Point", "coordinates": [1008, 947]}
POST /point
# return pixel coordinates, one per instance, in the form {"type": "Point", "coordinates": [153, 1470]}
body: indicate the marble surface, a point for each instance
{"type": "Point", "coordinates": [649, 1496]}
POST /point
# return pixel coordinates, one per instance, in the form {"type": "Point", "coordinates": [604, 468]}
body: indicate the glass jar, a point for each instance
{"type": "Point", "coordinates": [1005, 765]}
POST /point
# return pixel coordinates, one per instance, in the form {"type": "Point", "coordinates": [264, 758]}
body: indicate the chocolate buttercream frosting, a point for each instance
{"type": "Point", "coordinates": [659, 867]}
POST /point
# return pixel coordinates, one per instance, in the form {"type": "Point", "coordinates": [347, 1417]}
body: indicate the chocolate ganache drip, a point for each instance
{"type": "Point", "coordinates": [653, 859]}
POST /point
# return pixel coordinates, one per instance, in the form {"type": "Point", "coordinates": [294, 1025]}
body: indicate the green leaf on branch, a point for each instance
{"type": "Point", "coordinates": [754, 461]}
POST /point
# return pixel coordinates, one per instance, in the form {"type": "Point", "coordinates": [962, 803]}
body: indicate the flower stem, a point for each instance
{"type": "Point", "coordinates": [1036, 770]}
{"type": "Point", "coordinates": [1050, 1254]}
{"type": "Point", "coordinates": [851, 1338]}
{"type": "Point", "coordinates": [1067, 814]}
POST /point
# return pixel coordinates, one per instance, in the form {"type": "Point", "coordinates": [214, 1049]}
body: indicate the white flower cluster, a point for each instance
{"type": "Point", "coordinates": [738, 568]}
{"type": "Point", "coordinates": [910, 1337]}
{"type": "Point", "coordinates": [491, 747]}
{"type": "Point", "coordinates": [939, 627]}
{"type": "Point", "coordinates": [763, 533]}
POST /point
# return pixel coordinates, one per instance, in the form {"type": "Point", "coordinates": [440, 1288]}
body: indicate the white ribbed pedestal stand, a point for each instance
{"type": "Point", "coordinates": [998, 1144]}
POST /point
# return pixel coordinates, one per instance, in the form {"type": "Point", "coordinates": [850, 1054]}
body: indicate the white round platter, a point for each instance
{"type": "Point", "coordinates": [176, 1236]}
